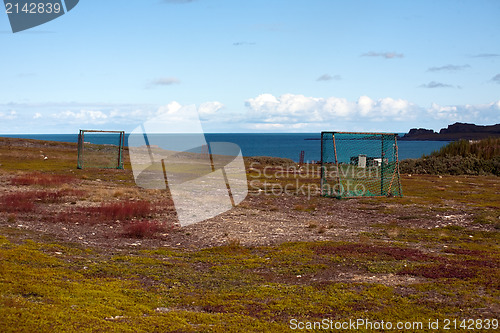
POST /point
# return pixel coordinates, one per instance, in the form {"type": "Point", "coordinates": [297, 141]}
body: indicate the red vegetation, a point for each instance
{"type": "Point", "coordinates": [47, 197]}
{"type": "Point", "coordinates": [69, 216]}
{"type": "Point", "coordinates": [123, 210]}
{"type": "Point", "coordinates": [20, 202]}
{"type": "Point", "coordinates": [106, 212]}
{"type": "Point", "coordinates": [25, 201]}
{"type": "Point", "coordinates": [42, 179]}
{"type": "Point", "coordinates": [142, 229]}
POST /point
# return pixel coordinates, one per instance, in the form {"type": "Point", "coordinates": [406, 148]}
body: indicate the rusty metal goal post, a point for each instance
{"type": "Point", "coordinates": [357, 164]}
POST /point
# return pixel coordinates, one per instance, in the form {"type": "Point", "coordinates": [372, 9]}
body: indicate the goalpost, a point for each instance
{"type": "Point", "coordinates": [100, 149]}
{"type": "Point", "coordinates": [357, 164]}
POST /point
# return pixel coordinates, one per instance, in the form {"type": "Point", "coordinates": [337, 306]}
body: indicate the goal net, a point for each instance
{"type": "Point", "coordinates": [100, 149]}
{"type": "Point", "coordinates": [355, 164]}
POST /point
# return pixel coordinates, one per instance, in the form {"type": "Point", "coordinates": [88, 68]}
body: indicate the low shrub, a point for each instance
{"type": "Point", "coordinates": [458, 158]}
{"type": "Point", "coordinates": [263, 161]}
{"type": "Point", "coordinates": [485, 149]}
{"type": "Point", "coordinates": [124, 210]}
{"type": "Point", "coordinates": [11, 218]}
{"type": "Point", "coordinates": [19, 202]}
{"type": "Point", "coordinates": [106, 212]}
{"type": "Point", "coordinates": [451, 165]}
{"type": "Point", "coordinates": [24, 202]}
{"type": "Point", "coordinates": [143, 229]}
{"type": "Point", "coordinates": [41, 179]}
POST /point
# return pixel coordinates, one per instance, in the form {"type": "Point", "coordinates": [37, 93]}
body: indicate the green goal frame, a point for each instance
{"type": "Point", "coordinates": [359, 164]}
{"type": "Point", "coordinates": [107, 154]}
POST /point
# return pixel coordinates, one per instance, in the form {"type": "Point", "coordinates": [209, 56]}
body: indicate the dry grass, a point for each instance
{"type": "Point", "coordinates": [41, 179]}
{"type": "Point", "coordinates": [144, 229]}
{"type": "Point", "coordinates": [123, 210]}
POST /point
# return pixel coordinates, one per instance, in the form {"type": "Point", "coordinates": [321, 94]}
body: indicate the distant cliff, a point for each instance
{"type": "Point", "coordinates": [454, 132]}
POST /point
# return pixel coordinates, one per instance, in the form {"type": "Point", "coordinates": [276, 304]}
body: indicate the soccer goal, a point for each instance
{"type": "Point", "coordinates": [356, 164]}
{"type": "Point", "coordinates": [100, 149]}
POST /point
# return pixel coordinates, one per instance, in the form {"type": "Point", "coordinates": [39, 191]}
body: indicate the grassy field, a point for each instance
{"type": "Point", "coordinates": [430, 256]}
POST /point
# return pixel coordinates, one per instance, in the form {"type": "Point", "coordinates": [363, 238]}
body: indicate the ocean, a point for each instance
{"type": "Point", "coordinates": [286, 145]}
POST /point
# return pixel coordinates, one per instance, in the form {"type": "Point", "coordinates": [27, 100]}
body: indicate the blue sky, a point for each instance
{"type": "Point", "coordinates": [255, 66]}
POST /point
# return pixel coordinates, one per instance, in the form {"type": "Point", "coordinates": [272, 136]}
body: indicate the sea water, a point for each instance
{"type": "Point", "coordinates": [286, 145]}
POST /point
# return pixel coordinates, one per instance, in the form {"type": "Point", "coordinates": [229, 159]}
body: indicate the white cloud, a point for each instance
{"type": "Point", "coordinates": [82, 116]}
{"type": "Point", "coordinates": [448, 68]}
{"type": "Point", "coordinates": [11, 115]}
{"type": "Point", "coordinates": [243, 43]}
{"type": "Point", "coordinates": [434, 84]}
{"type": "Point", "coordinates": [486, 55]}
{"type": "Point", "coordinates": [395, 108]}
{"type": "Point", "coordinates": [265, 112]}
{"type": "Point", "coordinates": [328, 77]}
{"type": "Point", "coordinates": [386, 55]}
{"type": "Point", "coordinates": [480, 113]}
{"type": "Point", "coordinates": [365, 105]}
{"type": "Point", "coordinates": [176, 112]}
{"type": "Point", "coordinates": [443, 112]}
{"type": "Point", "coordinates": [170, 108]}
{"type": "Point", "coordinates": [209, 108]}
{"type": "Point", "coordinates": [291, 108]}
{"type": "Point", "coordinates": [267, 127]}
{"type": "Point", "coordinates": [263, 103]}
{"type": "Point", "coordinates": [164, 81]}
{"type": "Point", "coordinates": [338, 107]}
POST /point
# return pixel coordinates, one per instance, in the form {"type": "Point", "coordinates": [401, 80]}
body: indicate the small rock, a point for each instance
{"type": "Point", "coordinates": [162, 309]}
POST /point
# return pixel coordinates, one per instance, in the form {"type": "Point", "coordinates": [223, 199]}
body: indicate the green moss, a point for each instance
{"type": "Point", "coordinates": [57, 287]}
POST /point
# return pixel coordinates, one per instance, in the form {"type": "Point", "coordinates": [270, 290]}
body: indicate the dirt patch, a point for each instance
{"type": "Point", "coordinates": [259, 220]}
